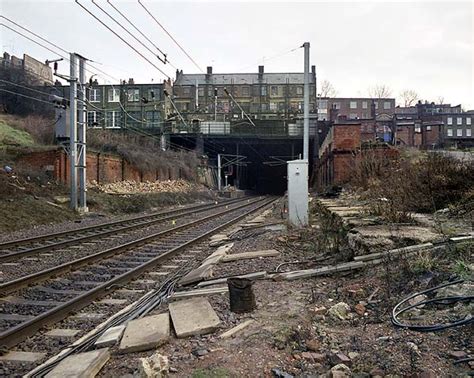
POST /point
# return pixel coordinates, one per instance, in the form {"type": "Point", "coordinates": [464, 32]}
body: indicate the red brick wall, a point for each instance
{"type": "Point", "coordinates": [100, 168]}
{"type": "Point", "coordinates": [346, 137]}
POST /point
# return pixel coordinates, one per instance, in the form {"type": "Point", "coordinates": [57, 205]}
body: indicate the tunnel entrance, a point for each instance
{"type": "Point", "coordinates": [265, 166]}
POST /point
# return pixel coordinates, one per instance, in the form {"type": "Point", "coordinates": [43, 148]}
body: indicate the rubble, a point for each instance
{"type": "Point", "coordinates": [340, 311]}
{"type": "Point", "coordinates": [155, 366]}
{"type": "Point", "coordinates": [133, 187]}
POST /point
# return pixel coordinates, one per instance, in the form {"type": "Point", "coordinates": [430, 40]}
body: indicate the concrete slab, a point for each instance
{"type": "Point", "coordinates": [112, 301]}
{"type": "Point", "coordinates": [82, 365]}
{"type": "Point", "coordinates": [199, 292]}
{"type": "Point", "coordinates": [251, 255]}
{"type": "Point", "coordinates": [62, 332]}
{"type": "Point", "coordinates": [193, 317]}
{"type": "Point", "coordinates": [110, 337]}
{"type": "Point", "coordinates": [22, 356]}
{"type": "Point", "coordinates": [146, 333]}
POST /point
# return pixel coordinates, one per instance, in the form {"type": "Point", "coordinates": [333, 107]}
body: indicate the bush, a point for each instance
{"type": "Point", "coordinates": [426, 183]}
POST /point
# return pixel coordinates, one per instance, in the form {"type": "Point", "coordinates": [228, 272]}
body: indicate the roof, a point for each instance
{"type": "Point", "coordinates": [242, 78]}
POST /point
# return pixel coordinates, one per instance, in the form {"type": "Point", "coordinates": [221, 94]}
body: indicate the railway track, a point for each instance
{"type": "Point", "coordinates": [20, 248]}
{"type": "Point", "coordinates": [78, 283]}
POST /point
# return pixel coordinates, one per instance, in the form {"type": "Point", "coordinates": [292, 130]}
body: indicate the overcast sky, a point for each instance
{"type": "Point", "coordinates": [424, 46]}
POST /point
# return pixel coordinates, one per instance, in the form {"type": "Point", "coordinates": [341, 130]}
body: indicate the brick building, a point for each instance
{"type": "Point", "coordinates": [430, 125]}
{"type": "Point", "coordinates": [264, 96]}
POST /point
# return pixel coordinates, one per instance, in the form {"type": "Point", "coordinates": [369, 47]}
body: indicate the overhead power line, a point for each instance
{"type": "Point", "coordinates": [131, 34]}
{"type": "Point", "coordinates": [30, 97]}
{"type": "Point", "coordinates": [138, 30]}
{"type": "Point", "coordinates": [29, 88]}
{"type": "Point", "coordinates": [123, 40]}
{"type": "Point", "coordinates": [166, 31]}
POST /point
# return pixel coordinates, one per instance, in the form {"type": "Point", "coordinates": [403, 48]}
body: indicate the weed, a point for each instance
{"type": "Point", "coordinates": [462, 269]}
{"type": "Point", "coordinates": [423, 262]}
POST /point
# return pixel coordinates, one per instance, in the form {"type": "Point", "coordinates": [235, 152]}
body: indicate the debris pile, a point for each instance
{"type": "Point", "coordinates": [133, 187]}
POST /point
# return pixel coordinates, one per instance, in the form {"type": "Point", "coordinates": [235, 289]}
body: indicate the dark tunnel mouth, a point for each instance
{"type": "Point", "coordinates": [265, 172]}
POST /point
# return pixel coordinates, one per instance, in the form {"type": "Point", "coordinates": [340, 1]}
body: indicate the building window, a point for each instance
{"type": "Point", "coordinates": [153, 94]}
{"type": "Point", "coordinates": [134, 119]}
{"type": "Point", "coordinates": [450, 120]}
{"type": "Point", "coordinates": [387, 105]}
{"type": "Point", "coordinates": [364, 104]}
{"type": "Point", "coordinates": [274, 90]}
{"type": "Point", "coordinates": [94, 95]}
{"type": "Point", "coordinates": [264, 107]}
{"type": "Point", "coordinates": [459, 132]}
{"type": "Point", "coordinates": [468, 120]}
{"type": "Point", "coordinates": [336, 105]}
{"type": "Point", "coordinates": [450, 132]}
{"type": "Point", "coordinates": [92, 119]}
{"type": "Point", "coordinates": [459, 121]}
{"type": "Point", "coordinates": [322, 104]}
{"type": "Point", "coordinates": [273, 106]}
{"type": "Point", "coordinates": [299, 91]}
{"type": "Point", "coordinates": [353, 104]}
{"type": "Point", "coordinates": [263, 90]}
{"type": "Point", "coordinates": [210, 91]}
{"type": "Point", "coordinates": [376, 104]}
{"type": "Point", "coordinates": [201, 92]}
{"type": "Point", "coordinates": [133, 95]}
{"type": "Point", "coordinates": [353, 116]}
{"type": "Point", "coordinates": [152, 118]}
{"type": "Point", "coordinates": [468, 132]}
{"type": "Point", "coordinates": [245, 91]}
{"type": "Point", "coordinates": [428, 128]}
{"type": "Point", "coordinates": [417, 129]}
{"type": "Point", "coordinates": [113, 95]}
{"type": "Point", "coordinates": [112, 119]}
{"type": "Point", "coordinates": [186, 91]}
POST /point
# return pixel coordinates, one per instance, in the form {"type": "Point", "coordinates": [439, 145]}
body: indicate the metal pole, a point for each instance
{"type": "Point", "coordinates": [215, 104]}
{"type": "Point", "coordinates": [306, 102]}
{"type": "Point", "coordinates": [81, 131]}
{"type": "Point", "coordinates": [73, 131]}
{"type": "Point", "coordinates": [219, 179]}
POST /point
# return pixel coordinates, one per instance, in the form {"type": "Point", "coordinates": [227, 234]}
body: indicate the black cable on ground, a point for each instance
{"type": "Point", "coordinates": [397, 310]}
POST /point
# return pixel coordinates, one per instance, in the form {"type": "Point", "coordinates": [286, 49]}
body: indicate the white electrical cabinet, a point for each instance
{"type": "Point", "coordinates": [298, 192]}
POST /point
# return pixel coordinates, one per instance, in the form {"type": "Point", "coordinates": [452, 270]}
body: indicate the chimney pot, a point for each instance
{"type": "Point", "coordinates": [209, 70]}
{"type": "Point", "coordinates": [260, 69]}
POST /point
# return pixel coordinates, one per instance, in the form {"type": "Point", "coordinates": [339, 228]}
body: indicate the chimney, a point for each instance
{"type": "Point", "coordinates": [209, 70]}
{"type": "Point", "coordinates": [313, 70]}
{"type": "Point", "coordinates": [177, 74]}
{"type": "Point", "coordinates": [260, 72]}
{"type": "Point", "coordinates": [131, 81]}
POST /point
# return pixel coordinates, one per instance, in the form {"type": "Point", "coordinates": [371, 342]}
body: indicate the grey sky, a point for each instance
{"type": "Point", "coordinates": [425, 46]}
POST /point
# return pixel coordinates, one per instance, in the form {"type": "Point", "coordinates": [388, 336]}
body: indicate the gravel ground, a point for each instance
{"type": "Point", "coordinates": [59, 256]}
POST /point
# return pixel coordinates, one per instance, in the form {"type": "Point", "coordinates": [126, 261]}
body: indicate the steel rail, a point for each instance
{"type": "Point", "coordinates": [18, 283]}
{"type": "Point", "coordinates": [33, 239]}
{"type": "Point", "coordinates": [35, 250]}
{"type": "Point", "coordinates": [15, 335]}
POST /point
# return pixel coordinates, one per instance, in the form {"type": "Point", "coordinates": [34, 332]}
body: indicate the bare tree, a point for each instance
{"type": "Point", "coordinates": [327, 89]}
{"type": "Point", "coordinates": [409, 97]}
{"type": "Point", "coordinates": [440, 100]}
{"type": "Point", "coordinates": [380, 91]}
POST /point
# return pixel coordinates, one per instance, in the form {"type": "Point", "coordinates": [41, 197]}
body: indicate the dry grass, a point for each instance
{"type": "Point", "coordinates": [144, 152]}
{"type": "Point", "coordinates": [420, 183]}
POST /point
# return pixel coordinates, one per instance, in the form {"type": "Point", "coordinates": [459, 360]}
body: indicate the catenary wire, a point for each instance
{"type": "Point", "coordinates": [123, 40]}
{"type": "Point", "coordinates": [166, 31]}
{"type": "Point", "coordinates": [127, 31]}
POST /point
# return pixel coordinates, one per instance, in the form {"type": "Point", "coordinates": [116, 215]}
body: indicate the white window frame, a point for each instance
{"type": "Point", "coordinates": [387, 105]}
{"type": "Point", "coordinates": [113, 95]}
{"type": "Point", "coordinates": [468, 120]}
{"type": "Point", "coordinates": [459, 132]}
{"type": "Point", "coordinates": [353, 116]}
{"type": "Point", "coordinates": [450, 132]}
{"type": "Point", "coordinates": [273, 106]}
{"type": "Point", "coordinates": [299, 90]}
{"type": "Point", "coordinates": [468, 133]}
{"type": "Point", "coordinates": [417, 129]}
{"type": "Point", "coordinates": [133, 96]}
{"type": "Point", "coordinates": [353, 104]}
{"type": "Point", "coordinates": [94, 95]}
{"type": "Point", "coordinates": [450, 120]}
{"type": "Point", "coordinates": [365, 104]}
{"type": "Point", "coordinates": [459, 121]}
{"type": "Point", "coordinates": [428, 128]}
{"type": "Point", "coordinates": [114, 120]}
